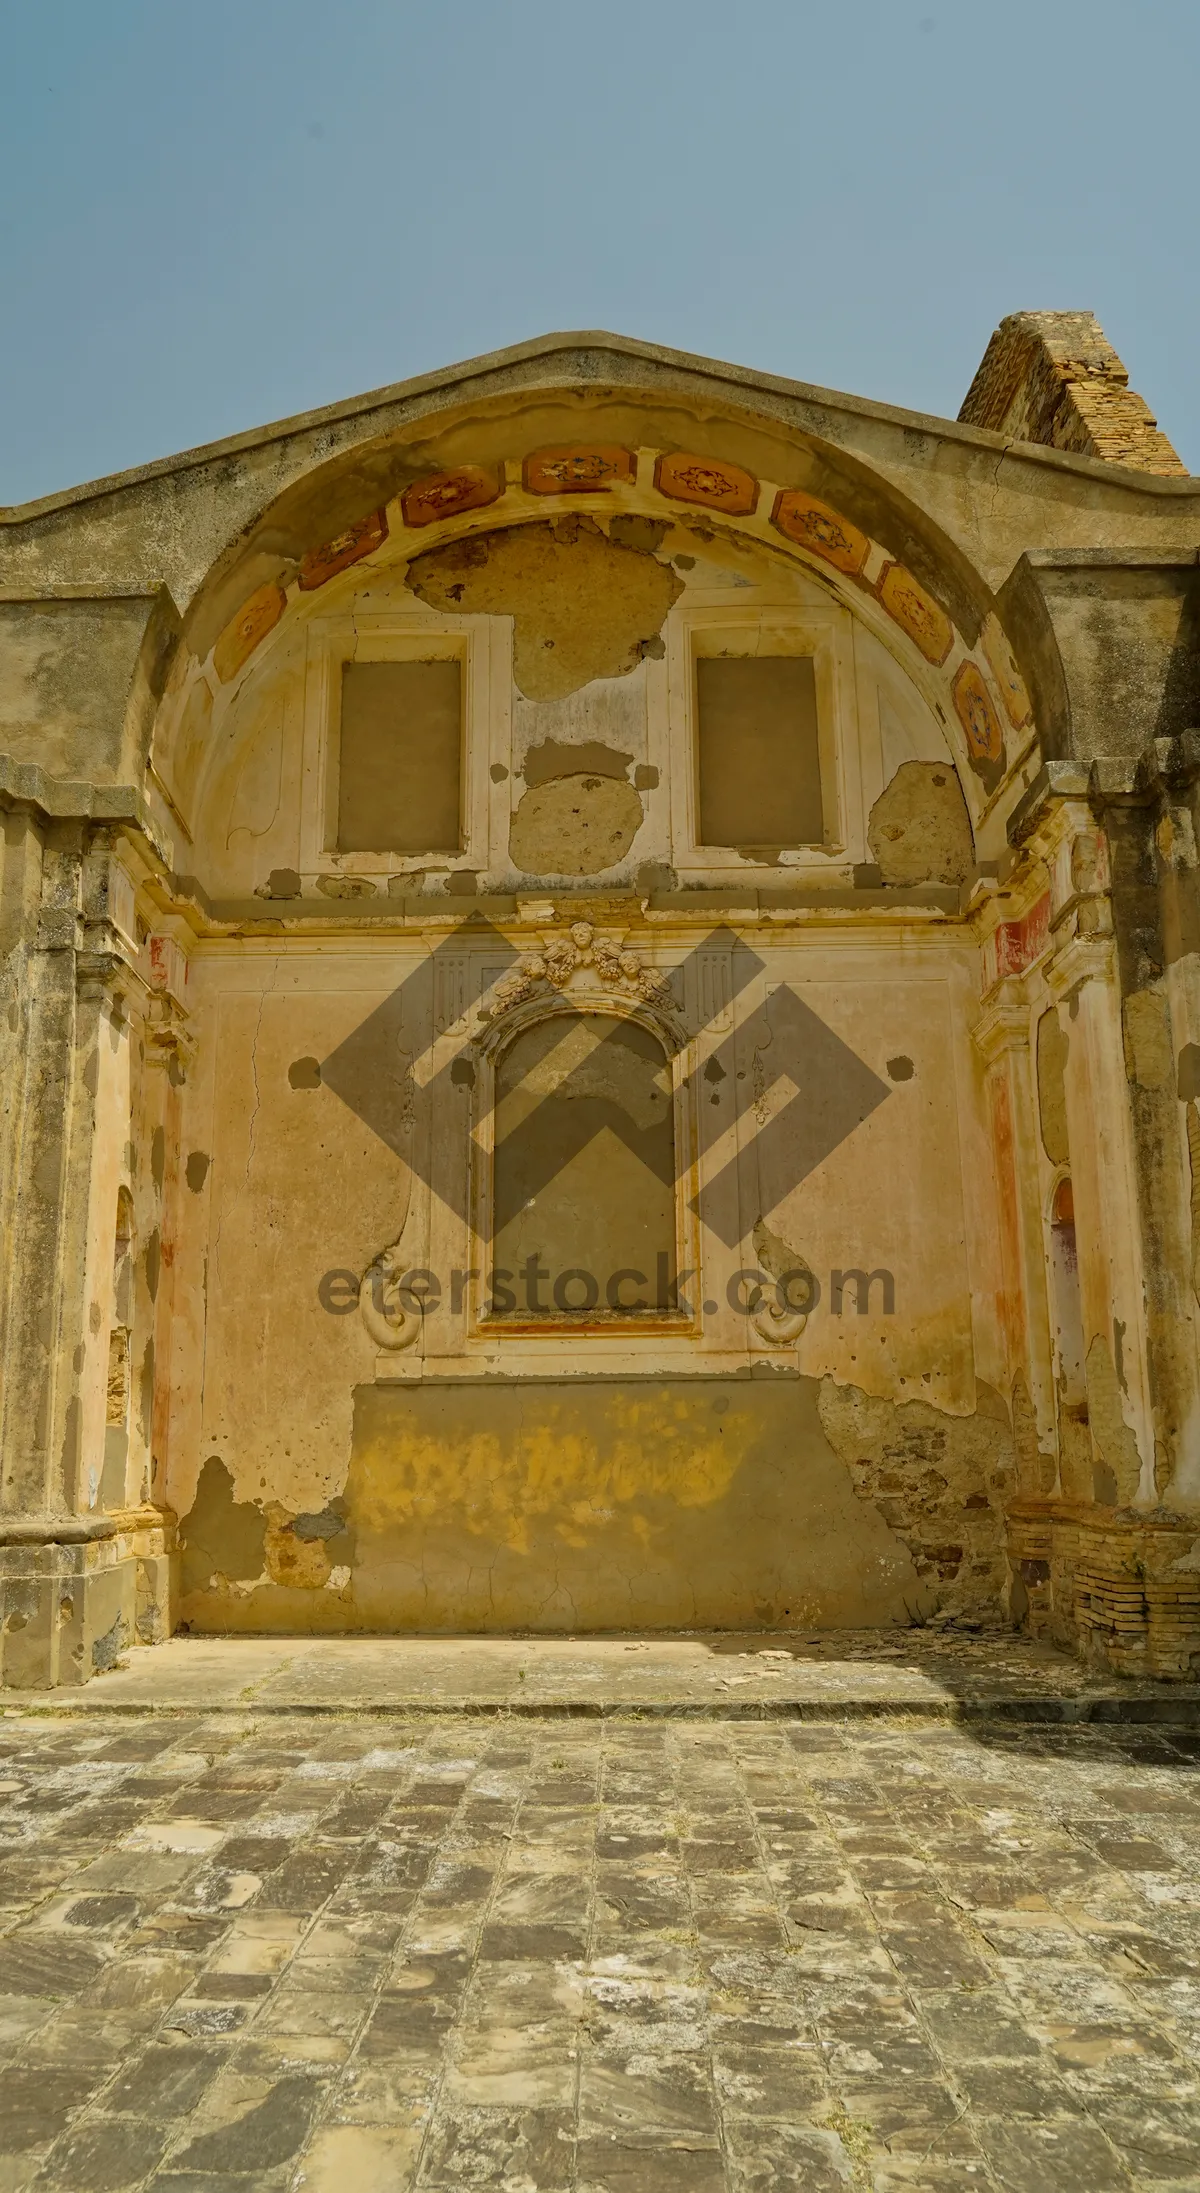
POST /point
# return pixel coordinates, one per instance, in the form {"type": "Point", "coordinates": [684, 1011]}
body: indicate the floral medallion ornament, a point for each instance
{"type": "Point", "coordinates": [821, 529]}
{"type": "Point", "coordinates": [707, 480]}
{"type": "Point", "coordinates": [578, 468]}
{"type": "Point", "coordinates": [256, 617]}
{"type": "Point", "coordinates": [1002, 664]}
{"type": "Point", "coordinates": [916, 612]}
{"type": "Point", "coordinates": [448, 494]}
{"type": "Point", "coordinates": [563, 956]}
{"type": "Point", "coordinates": [359, 540]}
{"type": "Point", "coordinates": [981, 724]}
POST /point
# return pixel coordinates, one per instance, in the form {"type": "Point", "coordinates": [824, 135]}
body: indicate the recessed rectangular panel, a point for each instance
{"type": "Point", "coordinates": [584, 1171]}
{"type": "Point", "coordinates": [400, 763]}
{"type": "Point", "coordinates": [759, 764]}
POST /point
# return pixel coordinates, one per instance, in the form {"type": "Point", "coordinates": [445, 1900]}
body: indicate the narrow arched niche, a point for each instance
{"type": "Point", "coordinates": [583, 1183]}
{"type": "Point", "coordinates": [1065, 1301]}
{"type": "Point", "coordinates": [117, 1400]}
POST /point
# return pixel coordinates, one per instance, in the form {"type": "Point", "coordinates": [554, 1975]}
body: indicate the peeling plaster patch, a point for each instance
{"type": "Point", "coordinates": [1193, 1138]}
{"type": "Point", "coordinates": [1104, 1484]}
{"type": "Point", "coordinates": [900, 1068]}
{"type": "Point", "coordinates": [196, 1170]}
{"type": "Point", "coordinates": [938, 1481]}
{"type": "Point", "coordinates": [600, 730]}
{"type": "Point", "coordinates": [574, 826]}
{"type": "Point", "coordinates": [220, 1536]}
{"type": "Point", "coordinates": [646, 534]}
{"type": "Point", "coordinates": [554, 758]}
{"type": "Point", "coordinates": [146, 1394]}
{"type": "Point", "coordinates": [305, 1073]}
{"type": "Point", "coordinates": [328, 1523]}
{"type": "Point", "coordinates": [282, 883]}
{"type": "Point", "coordinates": [919, 830]}
{"type": "Point", "coordinates": [583, 606]}
{"type": "Point", "coordinates": [290, 1560]}
{"type": "Point", "coordinates": [1112, 1438]}
{"type": "Point", "coordinates": [1149, 1058]}
{"type": "Point", "coordinates": [346, 887]}
{"type": "Point", "coordinates": [498, 773]}
{"type": "Point", "coordinates": [776, 1256]}
{"type": "Point", "coordinates": [234, 1549]}
{"type": "Point", "coordinates": [1053, 1049]}
{"type": "Point", "coordinates": [546, 1505]}
{"type": "Point", "coordinates": [72, 1449]}
{"type": "Point", "coordinates": [1035, 1468]}
{"type": "Point", "coordinates": [1188, 1079]}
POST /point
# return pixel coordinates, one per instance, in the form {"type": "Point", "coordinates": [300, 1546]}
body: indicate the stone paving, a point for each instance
{"type": "Point", "coordinates": [941, 1670]}
{"type": "Point", "coordinates": [278, 1951]}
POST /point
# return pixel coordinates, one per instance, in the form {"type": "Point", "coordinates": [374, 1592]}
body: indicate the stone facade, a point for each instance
{"type": "Point", "coordinates": [602, 1027]}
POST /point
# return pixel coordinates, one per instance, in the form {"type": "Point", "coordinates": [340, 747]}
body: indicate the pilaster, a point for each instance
{"type": "Point", "coordinates": [78, 1563]}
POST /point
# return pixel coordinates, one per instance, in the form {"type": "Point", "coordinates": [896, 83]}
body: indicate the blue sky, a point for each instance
{"type": "Point", "coordinates": [214, 215]}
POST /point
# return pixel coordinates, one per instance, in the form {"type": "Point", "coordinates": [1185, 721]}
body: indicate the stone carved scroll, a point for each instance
{"type": "Point", "coordinates": [392, 1322]}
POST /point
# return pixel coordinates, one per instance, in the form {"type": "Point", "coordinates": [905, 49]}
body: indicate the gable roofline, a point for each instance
{"type": "Point", "coordinates": [743, 379]}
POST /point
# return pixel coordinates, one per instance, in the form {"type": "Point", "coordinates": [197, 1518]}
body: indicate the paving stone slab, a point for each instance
{"type": "Point", "coordinates": [926, 1673]}
{"type": "Point", "coordinates": [723, 1955]}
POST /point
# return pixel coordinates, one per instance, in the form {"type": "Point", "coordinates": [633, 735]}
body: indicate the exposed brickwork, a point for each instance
{"type": "Point", "coordinates": [1120, 1591]}
{"type": "Point", "coordinates": [1054, 378]}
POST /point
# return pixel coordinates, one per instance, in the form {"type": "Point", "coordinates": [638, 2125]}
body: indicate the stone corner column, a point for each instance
{"type": "Point", "coordinates": [1119, 1548]}
{"type": "Point", "coordinates": [75, 1557]}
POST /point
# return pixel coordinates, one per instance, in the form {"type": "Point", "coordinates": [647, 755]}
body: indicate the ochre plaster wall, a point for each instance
{"type": "Point", "coordinates": [278, 1415]}
{"type": "Point", "coordinates": [518, 1471]}
{"type": "Point", "coordinates": [565, 1504]}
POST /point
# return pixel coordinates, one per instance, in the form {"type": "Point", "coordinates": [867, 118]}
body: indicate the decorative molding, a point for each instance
{"type": "Point", "coordinates": [774, 1324]}
{"type": "Point", "coordinates": [561, 957]}
{"type": "Point", "coordinates": [1014, 946]}
{"type": "Point", "coordinates": [1003, 1025]}
{"type": "Point", "coordinates": [391, 1323]}
{"type": "Point", "coordinates": [1080, 960]}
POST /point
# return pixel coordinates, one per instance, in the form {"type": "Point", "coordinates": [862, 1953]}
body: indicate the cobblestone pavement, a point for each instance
{"type": "Point", "coordinates": [616, 1957]}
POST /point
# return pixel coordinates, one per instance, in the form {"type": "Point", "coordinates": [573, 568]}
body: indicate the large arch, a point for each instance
{"type": "Point", "coordinates": [808, 507]}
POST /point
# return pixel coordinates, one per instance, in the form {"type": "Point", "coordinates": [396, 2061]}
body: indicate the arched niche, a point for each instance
{"type": "Point", "coordinates": [1065, 1301]}
{"type": "Point", "coordinates": [581, 1212]}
